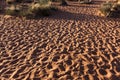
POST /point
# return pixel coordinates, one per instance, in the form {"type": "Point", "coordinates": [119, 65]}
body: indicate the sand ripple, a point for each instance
{"type": "Point", "coordinates": [74, 44]}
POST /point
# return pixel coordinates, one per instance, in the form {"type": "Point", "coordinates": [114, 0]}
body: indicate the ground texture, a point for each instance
{"type": "Point", "coordinates": [72, 44]}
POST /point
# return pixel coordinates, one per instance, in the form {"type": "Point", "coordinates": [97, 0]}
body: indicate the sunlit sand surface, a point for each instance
{"type": "Point", "coordinates": [75, 43]}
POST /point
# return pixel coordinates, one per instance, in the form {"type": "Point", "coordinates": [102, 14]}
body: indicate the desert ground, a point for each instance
{"type": "Point", "coordinates": [74, 43]}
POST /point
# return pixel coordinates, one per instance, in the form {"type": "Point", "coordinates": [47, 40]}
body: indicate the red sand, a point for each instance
{"type": "Point", "coordinates": [74, 43]}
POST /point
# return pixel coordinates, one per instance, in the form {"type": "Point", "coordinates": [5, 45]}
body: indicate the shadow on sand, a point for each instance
{"type": "Point", "coordinates": [64, 15]}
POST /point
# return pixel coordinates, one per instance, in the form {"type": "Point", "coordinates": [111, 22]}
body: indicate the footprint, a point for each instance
{"type": "Point", "coordinates": [68, 62]}
{"type": "Point", "coordinates": [115, 77]}
{"type": "Point", "coordinates": [55, 58]}
{"type": "Point", "coordinates": [49, 66]}
{"type": "Point", "coordinates": [62, 68]}
{"type": "Point", "coordinates": [44, 59]}
{"type": "Point", "coordinates": [102, 72]}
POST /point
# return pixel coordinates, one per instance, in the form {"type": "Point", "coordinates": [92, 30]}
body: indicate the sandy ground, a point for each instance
{"type": "Point", "coordinates": [72, 44]}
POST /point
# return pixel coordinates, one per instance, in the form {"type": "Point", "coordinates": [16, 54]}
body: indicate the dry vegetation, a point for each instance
{"type": "Point", "coordinates": [34, 9]}
{"type": "Point", "coordinates": [111, 9]}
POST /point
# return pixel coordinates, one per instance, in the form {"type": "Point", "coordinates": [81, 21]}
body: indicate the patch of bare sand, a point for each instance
{"type": "Point", "coordinates": [74, 44]}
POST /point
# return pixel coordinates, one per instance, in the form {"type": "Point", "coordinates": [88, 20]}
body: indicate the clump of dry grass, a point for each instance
{"type": "Point", "coordinates": [110, 9]}
{"type": "Point", "coordinates": [40, 8]}
{"type": "Point", "coordinates": [85, 1]}
{"type": "Point", "coordinates": [36, 9]}
{"type": "Point", "coordinates": [12, 10]}
{"type": "Point", "coordinates": [106, 8]}
{"type": "Point", "coordinates": [63, 3]}
{"type": "Point", "coordinates": [10, 1]}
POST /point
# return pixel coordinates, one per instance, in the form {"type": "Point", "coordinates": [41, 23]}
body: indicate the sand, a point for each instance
{"type": "Point", "coordinates": [74, 43]}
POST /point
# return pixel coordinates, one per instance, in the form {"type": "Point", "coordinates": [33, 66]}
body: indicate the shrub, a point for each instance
{"type": "Point", "coordinates": [18, 11]}
{"type": "Point", "coordinates": [85, 1]}
{"type": "Point", "coordinates": [63, 2]}
{"type": "Point", "coordinates": [42, 2]}
{"type": "Point", "coordinates": [106, 9]}
{"type": "Point", "coordinates": [116, 7]}
{"type": "Point", "coordinates": [110, 10]}
{"type": "Point", "coordinates": [115, 10]}
{"type": "Point", "coordinates": [10, 1]}
{"type": "Point", "coordinates": [39, 9]}
{"type": "Point", "coordinates": [12, 10]}
{"type": "Point", "coordinates": [53, 8]}
{"type": "Point", "coordinates": [24, 11]}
